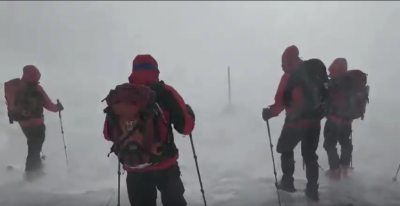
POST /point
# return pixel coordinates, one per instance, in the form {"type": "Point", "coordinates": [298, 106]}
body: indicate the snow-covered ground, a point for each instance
{"type": "Point", "coordinates": [235, 162]}
{"type": "Point", "coordinates": [85, 48]}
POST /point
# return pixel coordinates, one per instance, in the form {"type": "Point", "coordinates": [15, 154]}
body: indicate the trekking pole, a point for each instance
{"type": "Point", "coordinates": [273, 163]}
{"type": "Point", "coordinates": [229, 86]}
{"type": "Point", "coordinates": [321, 167]}
{"type": "Point", "coordinates": [119, 173]}
{"type": "Point", "coordinates": [109, 200]}
{"type": "Point", "coordinates": [62, 133]}
{"type": "Point", "coordinates": [198, 170]}
{"type": "Point", "coordinates": [119, 184]}
{"type": "Point", "coordinates": [397, 172]}
{"type": "Point", "coordinates": [351, 156]}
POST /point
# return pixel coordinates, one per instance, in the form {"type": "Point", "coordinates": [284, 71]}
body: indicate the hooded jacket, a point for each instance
{"type": "Point", "coordinates": [337, 69]}
{"type": "Point", "coordinates": [145, 71]}
{"type": "Point", "coordinates": [31, 75]}
{"type": "Point", "coordinates": [290, 60]}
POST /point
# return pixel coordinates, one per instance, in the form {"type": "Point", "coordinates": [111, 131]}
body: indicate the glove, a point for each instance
{"type": "Point", "coordinates": [267, 114]}
{"type": "Point", "coordinates": [59, 106]}
{"type": "Point", "coordinates": [190, 111]}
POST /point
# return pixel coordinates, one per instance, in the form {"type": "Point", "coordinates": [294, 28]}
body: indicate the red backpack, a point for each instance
{"type": "Point", "coordinates": [350, 94]}
{"type": "Point", "coordinates": [24, 101]}
{"type": "Point", "coordinates": [132, 121]}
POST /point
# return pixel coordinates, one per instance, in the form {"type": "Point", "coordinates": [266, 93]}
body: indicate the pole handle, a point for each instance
{"type": "Point", "coordinates": [59, 113]}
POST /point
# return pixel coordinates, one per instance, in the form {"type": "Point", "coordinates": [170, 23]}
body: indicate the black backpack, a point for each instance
{"type": "Point", "coordinates": [312, 77]}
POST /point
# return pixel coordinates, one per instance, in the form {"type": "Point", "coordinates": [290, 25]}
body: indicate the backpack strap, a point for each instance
{"type": "Point", "coordinates": [117, 144]}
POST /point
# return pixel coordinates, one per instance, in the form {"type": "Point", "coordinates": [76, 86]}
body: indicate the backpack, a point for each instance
{"type": "Point", "coordinates": [311, 76]}
{"type": "Point", "coordinates": [133, 118]}
{"type": "Point", "coordinates": [24, 101]}
{"type": "Point", "coordinates": [352, 95]}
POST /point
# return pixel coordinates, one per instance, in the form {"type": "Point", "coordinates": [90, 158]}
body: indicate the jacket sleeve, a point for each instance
{"type": "Point", "coordinates": [48, 104]}
{"type": "Point", "coordinates": [279, 105]}
{"type": "Point", "coordinates": [179, 115]}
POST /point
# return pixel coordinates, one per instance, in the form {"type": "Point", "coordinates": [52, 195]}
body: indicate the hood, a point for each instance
{"type": "Point", "coordinates": [30, 74]}
{"type": "Point", "coordinates": [290, 58]}
{"type": "Point", "coordinates": [338, 67]}
{"type": "Point", "coordinates": [144, 70]}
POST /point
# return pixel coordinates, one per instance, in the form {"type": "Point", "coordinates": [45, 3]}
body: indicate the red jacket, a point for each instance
{"type": "Point", "coordinates": [145, 71]}
{"type": "Point", "coordinates": [338, 68]}
{"type": "Point", "coordinates": [290, 60]}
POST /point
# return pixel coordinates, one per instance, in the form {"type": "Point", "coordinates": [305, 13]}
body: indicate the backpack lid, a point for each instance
{"type": "Point", "coordinates": [310, 73]}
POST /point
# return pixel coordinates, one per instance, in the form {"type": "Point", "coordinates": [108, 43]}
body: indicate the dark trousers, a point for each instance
{"type": "Point", "coordinates": [142, 187]}
{"type": "Point", "coordinates": [35, 138]}
{"type": "Point", "coordinates": [334, 133]}
{"type": "Point", "coordinates": [309, 138]}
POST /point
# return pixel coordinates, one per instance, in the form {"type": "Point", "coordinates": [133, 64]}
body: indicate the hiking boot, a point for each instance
{"type": "Point", "coordinates": [41, 166]}
{"type": "Point", "coordinates": [334, 174]}
{"type": "Point", "coordinates": [311, 192]}
{"type": "Point", "coordinates": [286, 186]}
{"type": "Point", "coordinates": [29, 176]}
{"type": "Point", "coordinates": [33, 175]}
{"type": "Point", "coordinates": [345, 170]}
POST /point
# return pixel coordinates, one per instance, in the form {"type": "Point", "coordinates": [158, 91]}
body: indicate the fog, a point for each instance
{"type": "Point", "coordinates": [83, 49]}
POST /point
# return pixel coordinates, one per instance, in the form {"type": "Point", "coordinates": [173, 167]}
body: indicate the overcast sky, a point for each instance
{"type": "Point", "coordinates": [77, 43]}
{"type": "Point", "coordinates": [90, 45]}
{"type": "Point", "coordinates": [195, 39]}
